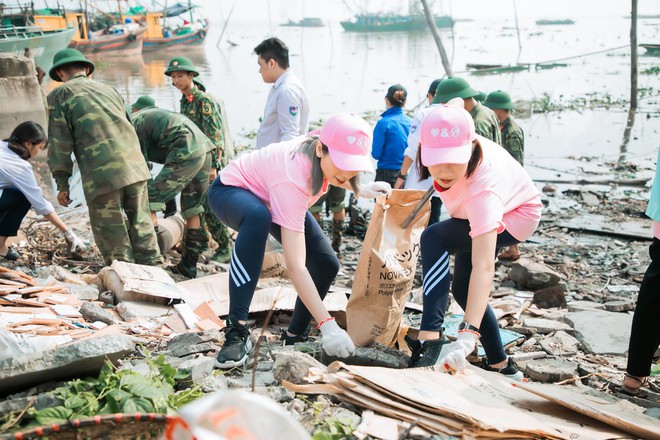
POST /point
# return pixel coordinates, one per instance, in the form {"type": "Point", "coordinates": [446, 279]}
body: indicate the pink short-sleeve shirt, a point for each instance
{"type": "Point", "coordinates": [280, 176]}
{"type": "Point", "coordinates": [498, 195]}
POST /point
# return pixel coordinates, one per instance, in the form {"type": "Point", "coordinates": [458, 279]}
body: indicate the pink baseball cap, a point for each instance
{"type": "Point", "coordinates": [446, 134]}
{"type": "Point", "coordinates": [348, 138]}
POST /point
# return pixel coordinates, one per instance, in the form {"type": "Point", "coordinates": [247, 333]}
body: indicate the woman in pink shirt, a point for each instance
{"type": "Point", "coordinates": [493, 203]}
{"type": "Point", "coordinates": [269, 191]}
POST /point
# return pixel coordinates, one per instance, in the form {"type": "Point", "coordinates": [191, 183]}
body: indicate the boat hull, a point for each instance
{"type": "Point", "coordinates": [653, 49]}
{"type": "Point", "coordinates": [399, 23]}
{"type": "Point", "coordinates": [120, 44]}
{"type": "Point", "coordinates": [43, 46]}
{"type": "Point", "coordinates": [151, 44]}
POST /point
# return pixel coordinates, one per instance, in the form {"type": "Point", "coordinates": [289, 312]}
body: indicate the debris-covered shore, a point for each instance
{"type": "Point", "coordinates": [566, 307]}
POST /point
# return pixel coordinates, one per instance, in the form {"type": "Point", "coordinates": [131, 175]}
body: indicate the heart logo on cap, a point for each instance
{"type": "Point", "coordinates": [435, 132]}
{"type": "Point", "coordinates": [351, 139]}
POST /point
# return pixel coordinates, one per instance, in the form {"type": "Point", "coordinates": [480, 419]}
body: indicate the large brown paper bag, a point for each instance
{"type": "Point", "coordinates": [386, 269]}
{"type": "Point", "coordinates": [273, 265]}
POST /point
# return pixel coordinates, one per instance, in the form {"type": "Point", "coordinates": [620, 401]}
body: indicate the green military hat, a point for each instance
{"type": "Point", "coordinates": [181, 64]}
{"type": "Point", "coordinates": [480, 97]}
{"type": "Point", "coordinates": [144, 102]}
{"type": "Point", "coordinates": [200, 85]}
{"type": "Point", "coordinates": [451, 88]}
{"type": "Point", "coordinates": [66, 56]}
{"type": "Point", "coordinates": [499, 99]}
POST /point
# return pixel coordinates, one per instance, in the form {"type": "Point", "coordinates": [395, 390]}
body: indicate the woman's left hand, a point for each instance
{"type": "Point", "coordinates": [75, 243]}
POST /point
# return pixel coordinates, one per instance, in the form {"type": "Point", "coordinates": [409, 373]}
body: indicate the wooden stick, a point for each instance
{"type": "Point", "coordinates": [420, 205]}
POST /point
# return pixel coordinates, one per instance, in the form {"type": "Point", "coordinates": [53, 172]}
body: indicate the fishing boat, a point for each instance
{"type": "Point", "coordinates": [20, 30]}
{"type": "Point", "coordinates": [305, 22]}
{"type": "Point", "coordinates": [651, 48]}
{"type": "Point", "coordinates": [393, 23]}
{"type": "Point", "coordinates": [119, 39]}
{"type": "Point", "coordinates": [161, 36]}
{"type": "Point", "coordinates": [546, 22]}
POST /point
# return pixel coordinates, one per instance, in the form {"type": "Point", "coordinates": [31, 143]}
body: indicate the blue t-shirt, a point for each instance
{"type": "Point", "coordinates": [391, 139]}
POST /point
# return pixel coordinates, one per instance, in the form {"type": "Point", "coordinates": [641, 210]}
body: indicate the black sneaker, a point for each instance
{"type": "Point", "coordinates": [290, 340]}
{"type": "Point", "coordinates": [416, 347]}
{"type": "Point", "coordinates": [428, 353]}
{"type": "Point", "coordinates": [237, 345]}
{"type": "Point", "coordinates": [510, 370]}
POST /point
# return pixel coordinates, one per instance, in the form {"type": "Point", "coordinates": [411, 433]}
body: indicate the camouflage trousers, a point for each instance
{"type": "Point", "coordinates": [190, 178]}
{"type": "Point", "coordinates": [334, 200]}
{"type": "Point", "coordinates": [132, 239]}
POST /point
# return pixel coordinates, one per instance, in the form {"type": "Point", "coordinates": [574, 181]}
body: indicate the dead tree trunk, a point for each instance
{"type": "Point", "coordinates": [436, 36]}
{"type": "Point", "coordinates": [633, 55]}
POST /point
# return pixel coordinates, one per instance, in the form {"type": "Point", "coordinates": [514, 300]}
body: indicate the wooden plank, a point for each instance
{"type": "Point", "coordinates": [631, 228]}
{"type": "Point", "coordinates": [204, 311]}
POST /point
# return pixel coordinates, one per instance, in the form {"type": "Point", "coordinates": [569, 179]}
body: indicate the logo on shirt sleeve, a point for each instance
{"type": "Point", "coordinates": [206, 108]}
{"type": "Point", "coordinates": [294, 110]}
{"type": "Point", "coordinates": [413, 128]}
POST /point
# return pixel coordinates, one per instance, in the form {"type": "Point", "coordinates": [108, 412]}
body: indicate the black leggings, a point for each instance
{"type": "Point", "coordinates": [244, 212]}
{"type": "Point", "coordinates": [439, 241]}
{"type": "Point", "coordinates": [13, 208]}
{"type": "Point", "coordinates": [645, 333]}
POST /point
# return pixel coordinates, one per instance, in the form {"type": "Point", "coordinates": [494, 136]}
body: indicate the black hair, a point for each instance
{"type": "Point", "coordinates": [397, 95]}
{"type": "Point", "coordinates": [433, 88]}
{"type": "Point", "coordinates": [475, 160]}
{"type": "Point", "coordinates": [74, 67]}
{"type": "Point", "coordinates": [274, 49]}
{"type": "Point", "coordinates": [28, 131]}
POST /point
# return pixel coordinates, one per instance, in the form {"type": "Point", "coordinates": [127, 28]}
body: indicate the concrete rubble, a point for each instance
{"type": "Point", "coordinates": [569, 300]}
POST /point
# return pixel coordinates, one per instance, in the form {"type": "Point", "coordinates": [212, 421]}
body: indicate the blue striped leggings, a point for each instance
{"type": "Point", "coordinates": [244, 212]}
{"type": "Point", "coordinates": [438, 242]}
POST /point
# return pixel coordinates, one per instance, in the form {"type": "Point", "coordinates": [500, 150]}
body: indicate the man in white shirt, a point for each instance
{"type": "Point", "coordinates": [286, 115]}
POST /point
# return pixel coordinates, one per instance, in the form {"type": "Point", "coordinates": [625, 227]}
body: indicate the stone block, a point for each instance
{"type": "Point", "coordinates": [132, 310]}
{"type": "Point", "coordinates": [601, 332]}
{"type": "Point", "coordinates": [293, 366]}
{"type": "Point", "coordinates": [551, 370]}
{"type": "Point", "coordinates": [93, 312]}
{"type": "Point", "coordinates": [560, 344]}
{"type": "Point", "coordinates": [78, 359]}
{"type": "Point", "coordinates": [550, 297]}
{"type": "Point", "coordinates": [531, 275]}
{"type": "Point", "coordinates": [543, 326]}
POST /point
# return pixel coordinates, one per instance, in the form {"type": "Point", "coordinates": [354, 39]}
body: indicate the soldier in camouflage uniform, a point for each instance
{"type": "Point", "coordinates": [513, 138]}
{"type": "Point", "coordinates": [334, 199]}
{"type": "Point", "coordinates": [201, 109]}
{"type": "Point", "coordinates": [175, 141]}
{"type": "Point", "coordinates": [486, 123]}
{"type": "Point", "coordinates": [89, 119]}
{"type": "Point", "coordinates": [513, 141]}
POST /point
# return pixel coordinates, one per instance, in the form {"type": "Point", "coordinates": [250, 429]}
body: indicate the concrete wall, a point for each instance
{"type": "Point", "coordinates": [21, 97]}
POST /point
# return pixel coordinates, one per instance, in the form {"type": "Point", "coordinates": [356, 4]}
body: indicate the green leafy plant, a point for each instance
{"type": "Point", "coordinates": [119, 391]}
{"type": "Point", "coordinates": [334, 429]}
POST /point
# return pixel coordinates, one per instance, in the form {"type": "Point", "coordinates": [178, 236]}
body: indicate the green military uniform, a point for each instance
{"type": "Point", "coordinates": [175, 141]}
{"type": "Point", "coordinates": [486, 123]}
{"type": "Point", "coordinates": [201, 109]}
{"type": "Point", "coordinates": [88, 119]}
{"type": "Point", "coordinates": [228, 151]}
{"type": "Point", "coordinates": [513, 139]}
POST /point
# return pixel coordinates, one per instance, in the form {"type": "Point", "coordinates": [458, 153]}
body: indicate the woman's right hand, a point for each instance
{"type": "Point", "coordinates": [335, 341]}
{"type": "Point", "coordinates": [399, 183]}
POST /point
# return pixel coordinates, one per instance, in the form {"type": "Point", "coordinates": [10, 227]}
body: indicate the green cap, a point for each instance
{"type": "Point", "coordinates": [499, 99]}
{"type": "Point", "coordinates": [144, 102]}
{"type": "Point", "coordinates": [181, 64]}
{"type": "Point", "coordinates": [66, 56]}
{"type": "Point", "coordinates": [200, 85]}
{"type": "Point", "coordinates": [451, 88]}
{"type": "Point", "coordinates": [480, 97]}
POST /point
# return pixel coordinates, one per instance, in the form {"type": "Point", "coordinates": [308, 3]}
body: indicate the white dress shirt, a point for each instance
{"type": "Point", "coordinates": [17, 173]}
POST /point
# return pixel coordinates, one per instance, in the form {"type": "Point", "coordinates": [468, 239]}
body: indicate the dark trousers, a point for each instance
{"type": "Point", "coordinates": [13, 208]}
{"type": "Point", "coordinates": [436, 207]}
{"type": "Point", "coordinates": [244, 212]}
{"type": "Point", "coordinates": [438, 242]}
{"type": "Point", "coordinates": [388, 176]}
{"type": "Point", "coordinates": [645, 333]}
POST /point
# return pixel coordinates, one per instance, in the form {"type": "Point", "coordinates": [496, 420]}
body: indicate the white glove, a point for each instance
{"type": "Point", "coordinates": [74, 242]}
{"type": "Point", "coordinates": [374, 189]}
{"type": "Point", "coordinates": [335, 341]}
{"type": "Point", "coordinates": [454, 354]}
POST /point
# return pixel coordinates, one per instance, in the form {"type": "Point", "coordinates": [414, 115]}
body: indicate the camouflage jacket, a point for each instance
{"type": "Point", "coordinates": [513, 139]}
{"type": "Point", "coordinates": [167, 137]}
{"type": "Point", "coordinates": [88, 119]}
{"type": "Point", "coordinates": [228, 151]}
{"type": "Point", "coordinates": [486, 123]}
{"type": "Point", "coordinates": [201, 109]}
